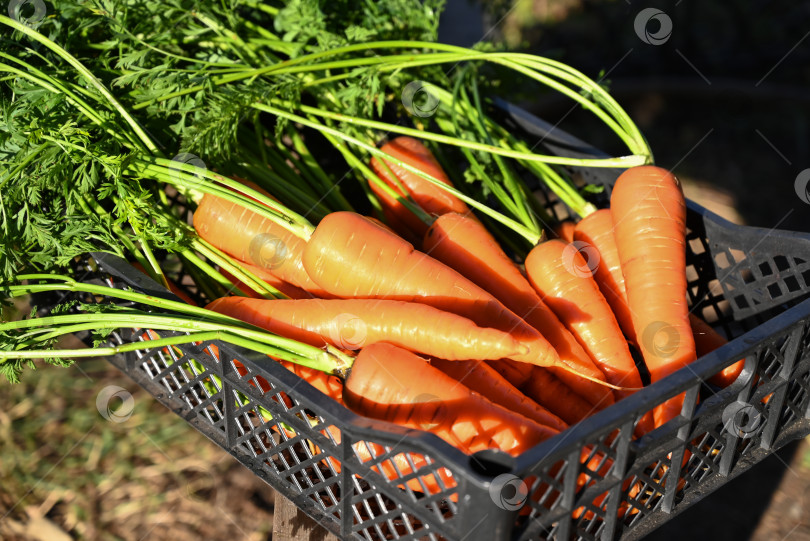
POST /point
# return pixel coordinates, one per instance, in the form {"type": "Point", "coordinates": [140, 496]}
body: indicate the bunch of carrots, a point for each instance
{"type": "Point", "coordinates": [447, 333]}
{"type": "Point", "coordinates": [424, 320]}
{"type": "Point", "coordinates": [438, 312]}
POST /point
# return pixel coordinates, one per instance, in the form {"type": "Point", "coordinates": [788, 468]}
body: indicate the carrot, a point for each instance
{"type": "Point", "coordinates": [349, 256]}
{"type": "Point", "coordinates": [483, 379]}
{"type": "Point", "coordinates": [289, 290]}
{"type": "Point", "coordinates": [393, 468]}
{"type": "Point", "coordinates": [597, 230]}
{"type": "Point", "coordinates": [428, 196]}
{"type": "Point", "coordinates": [706, 341]}
{"type": "Point", "coordinates": [553, 394]}
{"type": "Point", "coordinates": [252, 238]}
{"type": "Point", "coordinates": [555, 269]}
{"type": "Point", "coordinates": [395, 385]}
{"type": "Point", "coordinates": [354, 323]}
{"type": "Point", "coordinates": [565, 231]}
{"type": "Point", "coordinates": [466, 246]}
{"type": "Point", "coordinates": [649, 216]}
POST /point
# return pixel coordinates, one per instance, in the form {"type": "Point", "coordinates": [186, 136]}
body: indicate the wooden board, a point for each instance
{"type": "Point", "coordinates": [292, 524]}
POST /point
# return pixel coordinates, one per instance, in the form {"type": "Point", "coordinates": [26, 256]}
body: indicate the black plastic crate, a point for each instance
{"type": "Point", "coordinates": [746, 282]}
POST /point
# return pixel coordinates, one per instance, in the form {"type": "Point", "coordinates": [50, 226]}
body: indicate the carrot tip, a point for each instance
{"type": "Point", "coordinates": [597, 380]}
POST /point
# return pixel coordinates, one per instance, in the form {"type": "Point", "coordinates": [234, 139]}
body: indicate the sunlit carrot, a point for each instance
{"type": "Point", "coordinates": [350, 257]}
{"type": "Point", "coordinates": [250, 237]}
{"type": "Point", "coordinates": [595, 232]}
{"type": "Point", "coordinates": [480, 377]}
{"type": "Point", "coordinates": [466, 246]}
{"type": "Point", "coordinates": [395, 385]}
{"type": "Point", "coordinates": [432, 199]}
{"type": "Point", "coordinates": [355, 323]}
{"type": "Point", "coordinates": [649, 216]}
{"type": "Point", "coordinates": [561, 276]}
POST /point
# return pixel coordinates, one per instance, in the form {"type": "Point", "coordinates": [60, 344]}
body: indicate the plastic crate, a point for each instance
{"type": "Point", "coordinates": [746, 282]}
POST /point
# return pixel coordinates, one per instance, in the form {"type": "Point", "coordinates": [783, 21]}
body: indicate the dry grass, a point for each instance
{"type": "Point", "coordinates": [67, 472]}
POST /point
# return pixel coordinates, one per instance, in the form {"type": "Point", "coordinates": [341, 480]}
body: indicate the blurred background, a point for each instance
{"type": "Point", "coordinates": [722, 92]}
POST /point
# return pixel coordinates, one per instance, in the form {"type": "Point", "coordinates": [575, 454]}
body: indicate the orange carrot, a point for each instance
{"type": "Point", "coordinates": [483, 379]}
{"type": "Point", "coordinates": [428, 196]}
{"type": "Point", "coordinates": [349, 256]}
{"type": "Point", "coordinates": [565, 231]}
{"type": "Point", "coordinates": [355, 323]}
{"type": "Point", "coordinates": [595, 232]}
{"type": "Point", "coordinates": [561, 276]}
{"type": "Point", "coordinates": [252, 238]}
{"type": "Point", "coordinates": [392, 469]}
{"type": "Point", "coordinates": [466, 246]}
{"type": "Point", "coordinates": [593, 235]}
{"type": "Point", "coordinates": [395, 385]}
{"type": "Point", "coordinates": [706, 341]}
{"type": "Point", "coordinates": [558, 398]}
{"type": "Point", "coordinates": [649, 216]}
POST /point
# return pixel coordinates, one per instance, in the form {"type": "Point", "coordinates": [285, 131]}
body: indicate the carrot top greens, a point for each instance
{"type": "Point", "coordinates": [107, 102]}
{"type": "Point", "coordinates": [99, 96]}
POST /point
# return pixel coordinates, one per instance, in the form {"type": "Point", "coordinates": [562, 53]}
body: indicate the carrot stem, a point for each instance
{"type": "Point", "coordinates": [238, 271]}
{"type": "Point", "coordinates": [329, 359]}
{"type": "Point", "coordinates": [508, 222]}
